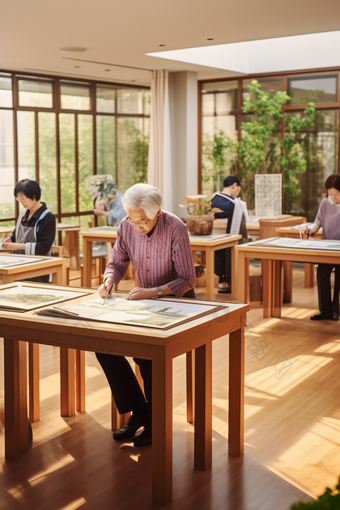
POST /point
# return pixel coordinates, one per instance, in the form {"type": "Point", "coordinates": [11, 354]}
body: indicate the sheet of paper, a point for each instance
{"type": "Point", "coordinates": [311, 244]}
{"type": "Point", "coordinates": [7, 261]}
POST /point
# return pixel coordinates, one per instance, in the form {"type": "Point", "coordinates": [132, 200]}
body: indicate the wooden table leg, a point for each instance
{"type": "Point", "coordinates": [236, 391]}
{"type": "Point", "coordinates": [87, 261]}
{"type": "Point", "coordinates": [267, 285]}
{"type": "Point", "coordinates": [287, 281]}
{"type": "Point", "coordinates": [67, 382]}
{"type": "Point", "coordinates": [233, 295]}
{"type": "Point", "coordinates": [209, 273]}
{"type": "Point", "coordinates": [80, 381]}
{"type": "Point", "coordinates": [203, 408]}
{"type": "Point", "coordinates": [15, 371]}
{"type": "Point", "coordinates": [161, 426]}
{"type": "Point", "coordinates": [33, 382]}
{"type": "Point", "coordinates": [242, 277]}
{"type": "Point", "coordinates": [277, 288]}
{"type": "Point", "coordinates": [309, 275]}
{"type": "Point", "coordinates": [190, 379]}
{"type": "Point", "coordinates": [71, 243]}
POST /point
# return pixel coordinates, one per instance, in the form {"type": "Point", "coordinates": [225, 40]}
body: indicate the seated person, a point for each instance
{"type": "Point", "coordinates": [35, 230]}
{"type": "Point", "coordinates": [236, 211]}
{"type": "Point", "coordinates": [113, 210]}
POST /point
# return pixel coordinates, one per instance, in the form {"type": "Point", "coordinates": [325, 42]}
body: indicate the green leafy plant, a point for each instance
{"type": "Point", "coordinates": [264, 147]}
{"type": "Point", "coordinates": [329, 500]}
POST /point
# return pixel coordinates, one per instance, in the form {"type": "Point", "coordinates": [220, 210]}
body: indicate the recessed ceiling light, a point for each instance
{"type": "Point", "coordinates": [210, 39]}
{"type": "Point", "coordinates": [161, 45]}
{"type": "Point", "coordinates": [107, 70]}
{"type": "Point", "coordinates": [76, 67]}
{"type": "Point", "coordinates": [72, 49]}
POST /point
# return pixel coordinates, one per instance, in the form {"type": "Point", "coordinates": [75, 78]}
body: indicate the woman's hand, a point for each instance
{"type": "Point", "coordinates": [140, 293]}
{"type": "Point", "coordinates": [8, 245]}
{"type": "Point", "coordinates": [104, 288]}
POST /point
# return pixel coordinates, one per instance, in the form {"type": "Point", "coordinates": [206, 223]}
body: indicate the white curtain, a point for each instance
{"type": "Point", "coordinates": [159, 161]}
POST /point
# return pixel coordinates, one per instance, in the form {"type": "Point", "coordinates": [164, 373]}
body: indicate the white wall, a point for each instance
{"type": "Point", "coordinates": [183, 120]}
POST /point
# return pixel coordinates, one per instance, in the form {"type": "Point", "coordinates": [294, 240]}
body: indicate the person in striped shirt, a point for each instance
{"type": "Point", "coordinates": [157, 244]}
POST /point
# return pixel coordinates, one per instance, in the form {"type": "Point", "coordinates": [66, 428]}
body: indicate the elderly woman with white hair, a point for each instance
{"type": "Point", "coordinates": [157, 244]}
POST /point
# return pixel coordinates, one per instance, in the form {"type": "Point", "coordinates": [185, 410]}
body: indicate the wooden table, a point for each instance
{"type": "Point", "coordinates": [71, 243]}
{"type": "Point", "coordinates": [7, 230]}
{"type": "Point", "coordinates": [158, 345]}
{"type": "Point", "coordinates": [54, 265]}
{"type": "Point", "coordinates": [273, 258]}
{"type": "Point", "coordinates": [209, 244]}
{"type": "Point", "coordinates": [294, 232]}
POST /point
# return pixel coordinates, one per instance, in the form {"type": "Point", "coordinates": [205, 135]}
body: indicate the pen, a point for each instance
{"type": "Point", "coordinates": [108, 294]}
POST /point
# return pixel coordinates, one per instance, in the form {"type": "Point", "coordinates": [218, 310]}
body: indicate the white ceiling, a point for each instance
{"type": "Point", "coordinates": [117, 35]}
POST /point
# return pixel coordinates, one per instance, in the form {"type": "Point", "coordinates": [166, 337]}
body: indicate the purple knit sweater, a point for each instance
{"type": "Point", "coordinates": [329, 218]}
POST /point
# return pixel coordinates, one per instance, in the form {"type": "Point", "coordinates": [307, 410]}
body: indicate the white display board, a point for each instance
{"type": "Point", "coordinates": [268, 195]}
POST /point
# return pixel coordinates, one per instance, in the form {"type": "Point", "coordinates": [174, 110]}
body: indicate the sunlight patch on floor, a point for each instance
{"type": "Point", "coordinates": [59, 464]}
{"type": "Point", "coordinates": [299, 369]}
{"type": "Point", "coordinates": [316, 451]}
{"type": "Point", "coordinates": [330, 347]}
{"type": "Point", "coordinates": [291, 312]}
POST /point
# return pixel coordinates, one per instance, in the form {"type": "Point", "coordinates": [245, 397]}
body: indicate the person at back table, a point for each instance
{"type": "Point", "coordinates": [236, 211]}
{"type": "Point", "coordinates": [157, 244]}
{"type": "Point", "coordinates": [35, 230]}
{"type": "Point", "coordinates": [328, 217]}
{"type": "Point", "coordinates": [113, 211]}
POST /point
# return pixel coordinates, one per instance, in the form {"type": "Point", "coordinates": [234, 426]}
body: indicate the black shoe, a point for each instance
{"type": "Point", "coordinates": [334, 316]}
{"type": "Point", "coordinates": [144, 439]}
{"type": "Point", "coordinates": [321, 316]}
{"type": "Point", "coordinates": [130, 427]}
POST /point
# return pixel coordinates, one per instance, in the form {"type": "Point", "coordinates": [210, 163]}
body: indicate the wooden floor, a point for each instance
{"type": "Point", "coordinates": [292, 429]}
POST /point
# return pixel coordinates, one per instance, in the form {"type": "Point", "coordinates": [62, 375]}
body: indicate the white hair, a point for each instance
{"type": "Point", "coordinates": [143, 196]}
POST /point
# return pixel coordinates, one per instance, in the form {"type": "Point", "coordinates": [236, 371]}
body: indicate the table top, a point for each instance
{"type": "Point", "coordinates": [67, 226]}
{"type": "Point", "coordinates": [7, 230]}
{"type": "Point", "coordinates": [298, 253]}
{"type": "Point", "coordinates": [208, 240]}
{"type": "Point", "coordinates": [120, 338]}
{"type": "Point", "coordinates": [35, 262]}
{"type": "Point", "coordinates": [294, 231]}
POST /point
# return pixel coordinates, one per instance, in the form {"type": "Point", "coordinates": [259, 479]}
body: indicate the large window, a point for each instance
{"type": "Point", "coordinates": [59, 132]}
{"type": "Point", "coordinates": [221, 124]}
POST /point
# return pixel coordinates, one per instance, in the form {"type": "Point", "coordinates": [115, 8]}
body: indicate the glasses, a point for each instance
{"type": "Point", "coordinates": [140, 223]}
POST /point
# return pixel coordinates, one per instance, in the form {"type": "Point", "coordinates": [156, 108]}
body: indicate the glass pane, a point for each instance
{"type": "Point", "coordinates": [105, 99]}
{"type": "Point", "coordinates": [218, 154]}
{"type": "Point", "coordinates": [26, 145]}
{"type": "Point", "coordinates": [147, 102]}
{"type": "Point", "coordinates": [106, 163]}
{"type": "Point", "coordinates": [316, 89]}
{"type": "Point", "coordinates": [7, 183]}
{"type": "Point", "coordinates": [130, 101]}
{"type": "Point", "coordinates": [318, 145]}
{"type": "Point", "coordinates": [6, 98]}
{"type": "Point", "coordinates": [35, 93]}
{"type": "Point", "coordinates": [67, 163]}
{"type": "Point", "coordinates": [133, 146]}
{"type": "Point", "coordinates": [208, 104]}
{"type": "Point", "coordinates": [269, 85]}
{"type": "Point", "coordinates": [75, 96]}
{"type": "Point", "coordinates": [85, 159]}
{"type": "Point", "coordinates": [48, 159]}
{"type": "Point", "coordinates": [228, 91]}
{"type": "Point", "coordinates": [82, 221]}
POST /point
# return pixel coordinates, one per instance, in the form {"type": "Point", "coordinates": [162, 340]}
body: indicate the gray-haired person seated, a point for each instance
{"type": "Point", "coordinates": [157, 244]}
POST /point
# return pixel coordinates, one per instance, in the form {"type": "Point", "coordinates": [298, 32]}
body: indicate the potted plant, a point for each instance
{"type": "Point", "coordinates": [200, 218]}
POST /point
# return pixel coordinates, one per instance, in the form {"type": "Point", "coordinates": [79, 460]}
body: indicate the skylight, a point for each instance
{"type": "Point", "coordinates": [312, 51]}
